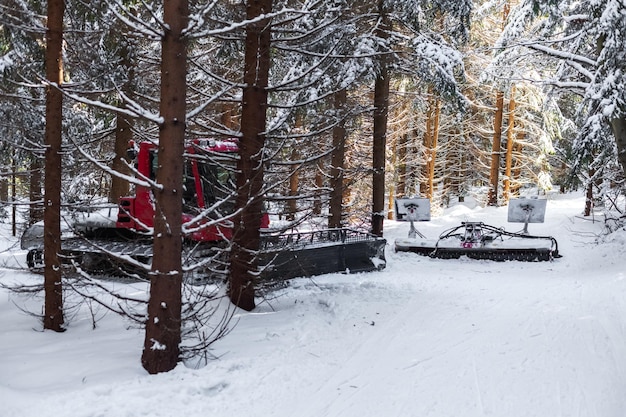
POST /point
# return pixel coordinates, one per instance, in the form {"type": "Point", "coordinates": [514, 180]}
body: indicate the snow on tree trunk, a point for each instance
{"type": "Point", "coordinates": [249, 202]}
{"type": "Point", "coordinates": [163, 328]}
{"type": "Point", "coordinates": [53, 309]}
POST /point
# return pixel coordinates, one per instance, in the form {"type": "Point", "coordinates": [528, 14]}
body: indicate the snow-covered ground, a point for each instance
{"type": "Point", "coordinates": [424, 337]}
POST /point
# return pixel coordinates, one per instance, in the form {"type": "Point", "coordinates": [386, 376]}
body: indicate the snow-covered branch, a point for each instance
{"type": "Point", "coordinates": [234, 26]}
{"type": "Point", "coordinates": [135, 109]}
{"type": "Point", "coordinates": [144, 182]}
{"type": "Point", "coordinates": [568, 56]}
{"type": "Point", "coordinates": [137, 24]}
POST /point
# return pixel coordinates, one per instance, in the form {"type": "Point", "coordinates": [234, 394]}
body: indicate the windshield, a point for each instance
{"type": "Point", "coordinates": [217, 183]}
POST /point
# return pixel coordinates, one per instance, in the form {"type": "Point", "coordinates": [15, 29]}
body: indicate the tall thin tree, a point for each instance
{"type": "Point", "coordinates": [123, 129]}
{"type": "Point", "coordinates": [381, 111]}
{"type": "Point", "coordinates": [510, 133]}
{"type": "Point", "coordinates": [494, 173]}
{"type": "Point", "coordinates": [495, 150]}
{"type": "Point", "coordinates": [337, 168]}
{"type": "Point", "coordinates": [249, 202]}
{"type": "Point", "coordinates": [53, 309]}
{"type": "Point", "coordinates": [163, 328]}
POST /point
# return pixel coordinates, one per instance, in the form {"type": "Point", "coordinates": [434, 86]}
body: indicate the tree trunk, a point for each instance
{"type": "Point", "coordinates": [618, 125]}
{"type": "Point", "coordinates": [509, 147]}
{"type": "Point", "coordinates": [495, 151]}
{"type": "Point", "coordinates": [432, 154]}
{"type": "Point", "coordinates": [338, 162]}
{"type": "Point", "coordinates": [4, 186]}
{"type": "Point", "coordinates": [517, 171]}
{"type": "Point", "coordinates": [402, 155]}
{"type": "Point", "coordinates": [123, 135]}
{"type": "Point", "coordinates": [227, 116]}
{"type": "Point", "coordinates": [294, 178]}
{"type": "Point", "coordinates": [619, 131]}
{"type": "Point", "coordinates": [494, 173]}
{"type": "Point", "coordinates": [294, 185]}
{"type": "Point", "coordinates": [13, 195]}
{"type": "Point", "coordinates": [53, 309]}
{"type": "Point", "coordinates": [319, 184]}
{"type": "Point", "coordinates": [34, 190]}
{"type": "Point", "coordinates": [427, 142]}
{"type": "Point", "coordinates": [249, 201]}
{"type": "Point", "coordinates": [381, 110]}
{"type": "Point", "coordinates": [163, 328]}
{"type": "Point", "coordinates": [392, 190]}
{"type": "Point", "coordinates": [589, 195]}
{"type": "Point", "coordinates": [123, 132]}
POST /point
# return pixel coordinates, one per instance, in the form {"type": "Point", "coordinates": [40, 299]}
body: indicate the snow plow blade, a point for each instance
{"type": "Point", "coordinates": [481, 241]}
{"type": "Point", "coordinates": [527, 255]}
{"type": "Point", "coordinates": [320, 252]}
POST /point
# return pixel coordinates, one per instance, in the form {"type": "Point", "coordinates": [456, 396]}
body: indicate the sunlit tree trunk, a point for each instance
{"type": "Point", "coordinates": [53, 309]}
{"type": "Point", "coordinates": [163, 328]}
{"type": "Point", "coordinates": [402, 174]}
{"type": "Point", "coordinates": [294, 185]}
{"type": "Point", "coordinates": [392, 189]}
{"type": "Point", "coordinates": [517, 170]}
{"type": "Point", "coordinates": [432, 154]}
{"type": "Point", "coordinates": [494, 173]}
{"type": "Point", "coordinates": [509, 147]}
{"type": "Point", "coordinates": [249, 201]}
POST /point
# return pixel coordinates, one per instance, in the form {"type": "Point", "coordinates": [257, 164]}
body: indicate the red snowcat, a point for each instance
{"type": "Point", "coordinates": [116, 240]}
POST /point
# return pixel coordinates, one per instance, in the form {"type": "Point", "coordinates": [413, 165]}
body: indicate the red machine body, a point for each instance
{"type": "Point", "coordinates": [208, 190]}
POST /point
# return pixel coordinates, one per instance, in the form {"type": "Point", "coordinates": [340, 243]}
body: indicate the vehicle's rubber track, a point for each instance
{"type": "Point", "coordinates": [282, 256]}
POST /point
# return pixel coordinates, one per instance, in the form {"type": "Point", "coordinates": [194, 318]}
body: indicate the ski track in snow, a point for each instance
{"type": "Point", "coordinates": [422, 338]}
{"type": "Point", "coordinates": [495, 358]}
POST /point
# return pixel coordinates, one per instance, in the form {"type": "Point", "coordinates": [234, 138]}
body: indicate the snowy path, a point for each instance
{"type": "Point", "coordinates": [423, 338]}
{"type": "Point", "coordinates": [497, 345]}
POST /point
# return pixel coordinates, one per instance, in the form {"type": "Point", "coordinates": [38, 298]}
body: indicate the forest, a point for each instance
{"type": "Point", "coordinates": [336, 108]}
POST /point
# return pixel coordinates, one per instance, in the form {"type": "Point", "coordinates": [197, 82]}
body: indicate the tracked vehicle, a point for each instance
{"type": "Point", "coordinates": [118, 239]}
{"type": "Point", "coordinates": [478, 240]}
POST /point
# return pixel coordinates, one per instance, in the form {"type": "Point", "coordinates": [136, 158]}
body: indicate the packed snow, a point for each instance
{"type": "Point", "coordinates": [424, 337]}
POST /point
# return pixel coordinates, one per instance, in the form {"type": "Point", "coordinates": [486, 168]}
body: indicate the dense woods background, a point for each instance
{"type": "Point", "coordinates": [340, 106]}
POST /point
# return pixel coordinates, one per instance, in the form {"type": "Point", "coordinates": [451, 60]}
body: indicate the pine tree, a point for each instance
{"type": "Point", "coordinates": [53, 312]}
{"type": "Point", "coordinates": [163, 328]}
{"type": "Point", "coordinates": [580, 46]}
{"type": "Point", "coordinates": [249, 202]}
